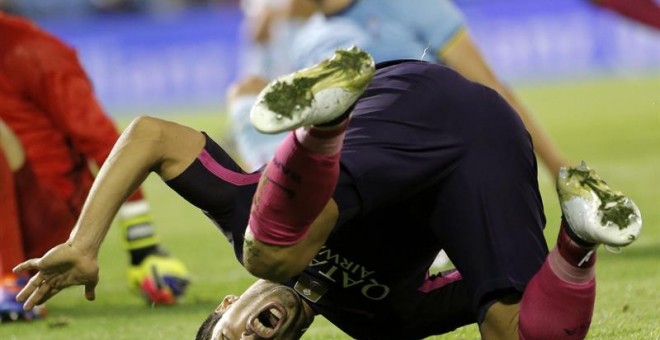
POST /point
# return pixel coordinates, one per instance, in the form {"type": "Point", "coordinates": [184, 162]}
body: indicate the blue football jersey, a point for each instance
{"type": "Point", "coordinates": [387, 29]}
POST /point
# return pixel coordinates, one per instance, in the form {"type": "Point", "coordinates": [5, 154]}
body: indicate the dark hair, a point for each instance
{"type": "Point", "coordinates": [206, 329]}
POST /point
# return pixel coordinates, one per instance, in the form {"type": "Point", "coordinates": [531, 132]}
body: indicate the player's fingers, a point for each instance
{"type": "Point", "coordinates": [90, 294]}
{"type": "Point", "coordinates": [29, 288]}
{"type": "Point", "coordinates": [38, 296]}
{"type": "Point", "coordinates": [47, 294]}
{"type": "Point", "coordinates": [26, 266]}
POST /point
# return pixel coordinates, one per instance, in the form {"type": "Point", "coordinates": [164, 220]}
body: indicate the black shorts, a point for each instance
{"type": "Point", "coordinates": [423, 131]}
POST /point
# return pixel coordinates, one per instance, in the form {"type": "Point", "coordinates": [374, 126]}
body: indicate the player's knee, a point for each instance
{"type": "Point", "coordinates": [270, 262]}
{"type": "Point", "coordinates": [269, 270]}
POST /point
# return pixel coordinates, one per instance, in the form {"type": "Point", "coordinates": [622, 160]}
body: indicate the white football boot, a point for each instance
{"type": "Point", "coordinates": [314, 95]}
{"type": "Point", "coordinates": [595, 212]}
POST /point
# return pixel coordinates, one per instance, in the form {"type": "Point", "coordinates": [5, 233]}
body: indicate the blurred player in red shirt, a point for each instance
{"type": "Point", "coordinates": [53, 135]}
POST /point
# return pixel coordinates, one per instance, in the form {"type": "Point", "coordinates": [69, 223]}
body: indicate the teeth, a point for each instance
{"type": "Point", "coordinates": [263, 329]}
{"type": "Point", "coordinates": [276, 312]}
{"type": "Point", "coordinates": [272, 316]}
{"type": "Point", "coordinates": [259, 326]}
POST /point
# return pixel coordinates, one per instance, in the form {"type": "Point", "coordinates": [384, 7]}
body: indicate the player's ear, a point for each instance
{"type": "Point", "coordinates": [226, 302]}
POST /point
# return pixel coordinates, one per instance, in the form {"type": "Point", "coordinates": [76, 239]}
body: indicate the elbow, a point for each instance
{"type": "Point", "coordinates": [144, 127]}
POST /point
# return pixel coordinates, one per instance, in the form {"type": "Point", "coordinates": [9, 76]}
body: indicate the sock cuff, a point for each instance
{"type": "Point", "coordinates": [568, 272]}
{"type": "Point", "coordinates": [574, 253]}
{"type": "Point", "coordinates": [140, 235]}
{"type": "Point", "coordinates": [324, 143]}
{"type": "Point", "coordinates": [133, 208]}
{"type": "Point", "coordinates": [137, 225]}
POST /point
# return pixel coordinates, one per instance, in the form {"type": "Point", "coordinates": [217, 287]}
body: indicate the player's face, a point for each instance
{"type": "Point", "coordinates": [265, 311]}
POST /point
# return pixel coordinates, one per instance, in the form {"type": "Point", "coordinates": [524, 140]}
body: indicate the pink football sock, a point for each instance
{"type": "Point", "coordinates": [558, 302]}
{"type": "Point", "coordinates": [296, 185]}
{"type": "Point", "coordinates": [555, 309]}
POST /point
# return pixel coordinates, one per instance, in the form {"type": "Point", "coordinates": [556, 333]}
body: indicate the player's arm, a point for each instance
{"type": "Point", "coordinates": [148, 145]}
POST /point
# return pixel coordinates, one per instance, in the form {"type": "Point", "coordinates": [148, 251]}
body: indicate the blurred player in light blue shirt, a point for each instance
{"type": "Point", "coordinates": [294, 45]}
{"type": "Point", "coordinates": [432, 30]}
{"type": "Point", "coordinates": [388, 30]}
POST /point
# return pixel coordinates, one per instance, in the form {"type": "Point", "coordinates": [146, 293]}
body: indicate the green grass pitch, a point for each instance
{"type": "Point", "coordinates": [613, 123]}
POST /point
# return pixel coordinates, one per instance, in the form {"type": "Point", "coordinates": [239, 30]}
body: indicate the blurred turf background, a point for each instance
{"type": "Point", "coordinates": [613, 123]}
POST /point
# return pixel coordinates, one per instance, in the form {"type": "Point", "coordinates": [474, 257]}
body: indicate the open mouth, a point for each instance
{"type": "Point", "coordinates": [266, 323]}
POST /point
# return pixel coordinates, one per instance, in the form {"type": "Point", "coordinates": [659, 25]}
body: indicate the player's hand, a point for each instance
{"type": "Point", "coordinates": [61, 267]}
